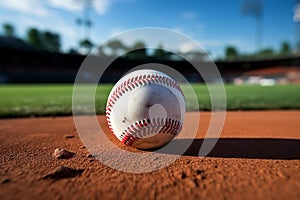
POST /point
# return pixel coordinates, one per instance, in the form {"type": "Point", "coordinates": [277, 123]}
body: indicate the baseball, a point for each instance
{"type": "Point", "coordinates": [145, 109]}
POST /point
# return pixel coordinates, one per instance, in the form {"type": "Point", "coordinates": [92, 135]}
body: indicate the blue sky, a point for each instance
{"type": "Point", "coordinates": [214, 24]}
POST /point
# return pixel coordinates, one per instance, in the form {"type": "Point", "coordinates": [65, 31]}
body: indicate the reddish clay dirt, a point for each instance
{"type": "Point", "coordinates": [257, 157]}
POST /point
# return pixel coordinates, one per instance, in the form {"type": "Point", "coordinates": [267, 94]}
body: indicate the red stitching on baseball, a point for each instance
{"type": "Point", "coordinates": [138, 130]}
{"type": "Point", "coordinates": [137, 81]}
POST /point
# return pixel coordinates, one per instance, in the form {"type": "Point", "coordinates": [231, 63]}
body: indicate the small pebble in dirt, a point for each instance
{"type": "Point", "coordinates": [62, 154]}
{"type": "Point", "coordinates": [63, 172]}
{"type": "Point", "coordinates": [82, 147]}
{"type": "Point", "coordinates": [6, 180]}
{"type": "Point", "coordinates": [69, 136]}
{"type": "Point", "coordinates": [281, 175]}
{"type": "Point", "coordinates": [89, 156]}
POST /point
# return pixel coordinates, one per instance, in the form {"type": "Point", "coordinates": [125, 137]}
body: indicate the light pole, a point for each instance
{"type": "Point", "coordinates": [255, 8]}
{"type": "Point", "coordinates": [85, 21]}
{"type": "Point", "coordinates": [296, 19]}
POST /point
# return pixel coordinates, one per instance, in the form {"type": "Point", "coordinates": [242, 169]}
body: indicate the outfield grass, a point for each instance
{"type": "Point", "coordinates": [55, 100]}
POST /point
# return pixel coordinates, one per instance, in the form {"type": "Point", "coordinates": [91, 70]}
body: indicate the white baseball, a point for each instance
{"type": "Point", "coordinates": [145, 109]}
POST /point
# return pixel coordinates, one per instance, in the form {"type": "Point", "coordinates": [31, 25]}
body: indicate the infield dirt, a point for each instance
{"type": "Point", "coordinates": [256, 157]}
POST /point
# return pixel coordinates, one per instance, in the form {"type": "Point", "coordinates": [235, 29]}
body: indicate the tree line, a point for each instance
{"type": "Point", "coordinates": [232, 53]}
{"type": "Point", "coordinates": [51, 41]}
{"type": "Point", "coordinates": [43, 39]}
{"type": "Point", "coordinates": [47, 40]}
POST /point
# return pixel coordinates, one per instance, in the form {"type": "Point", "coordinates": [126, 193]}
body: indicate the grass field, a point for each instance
{"type": "Point", "coordinates": [55, 100]}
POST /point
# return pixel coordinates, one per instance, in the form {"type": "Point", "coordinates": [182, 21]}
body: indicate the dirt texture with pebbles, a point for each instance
{"type": "Point", "coordinates": [256, 157]}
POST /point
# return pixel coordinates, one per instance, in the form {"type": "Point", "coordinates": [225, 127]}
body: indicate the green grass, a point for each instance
{"type": "Point", "coordinates": [55, 100]}
{"type": "Point", "coordinates": [281, 97]}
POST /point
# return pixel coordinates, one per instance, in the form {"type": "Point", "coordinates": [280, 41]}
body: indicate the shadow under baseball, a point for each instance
{"type": "Point", "coordinates": [262, 148]}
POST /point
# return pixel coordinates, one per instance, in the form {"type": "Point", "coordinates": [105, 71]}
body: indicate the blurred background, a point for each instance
{"type": "Point", "coordinates": [251, 41]}
{"type": "Point", "coordinates": [254, 43]}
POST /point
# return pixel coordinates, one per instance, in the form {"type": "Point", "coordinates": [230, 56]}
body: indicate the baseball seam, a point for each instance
{"type": "Point", "coordinates": [129, 135]}
{"type": "Point", "coordinates": [146, 127]}
{"type": "Point", "coordinates": [138, 81]}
